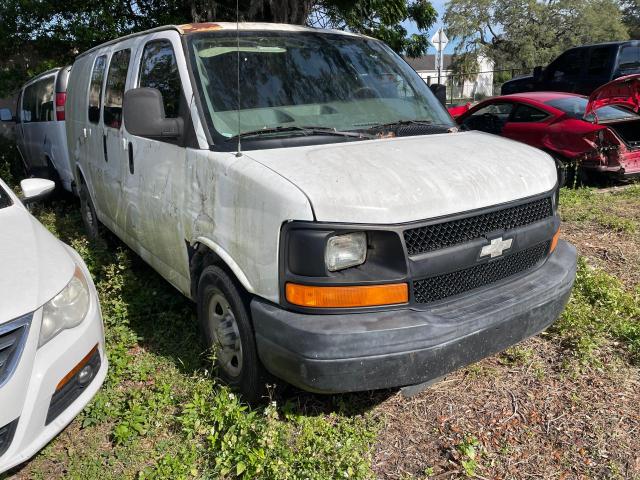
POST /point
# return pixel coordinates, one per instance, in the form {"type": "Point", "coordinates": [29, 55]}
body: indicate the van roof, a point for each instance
{"type": "Point", "coordinates": [189, 28]}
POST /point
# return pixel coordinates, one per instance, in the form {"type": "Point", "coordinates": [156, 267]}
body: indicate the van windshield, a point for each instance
{"type": "Point", "coordinates": [5, 199]}
{"type": "Point", "coordinates": [295, 80]}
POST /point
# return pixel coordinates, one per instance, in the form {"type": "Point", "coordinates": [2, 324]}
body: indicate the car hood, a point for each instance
{"type": "Point", "coordinates": [412, 178]}
{"type": "Point", "coordinates": [34, 265]}
{"type": "Point", "coordinates": [623, 91]}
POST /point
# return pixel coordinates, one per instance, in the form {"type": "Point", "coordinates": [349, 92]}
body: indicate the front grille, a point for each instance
{"type": "Point", "coordinates": [443, 286]}
{"type": "Point", "coordinates": [12, 338]}
{"type": "Point", "coordinates": [446, 234]}
{"type": "Point", "coordinates": [6, 436]}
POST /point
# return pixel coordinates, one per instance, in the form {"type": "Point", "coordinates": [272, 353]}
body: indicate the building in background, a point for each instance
{"type": "Point", "coordinates": [471, 86]}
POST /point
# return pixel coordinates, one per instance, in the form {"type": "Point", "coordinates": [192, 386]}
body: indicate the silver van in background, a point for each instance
{"type": "Point", "coordinates": [40, 127]}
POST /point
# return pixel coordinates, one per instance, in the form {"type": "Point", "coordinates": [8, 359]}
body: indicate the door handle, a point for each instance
{"type": "Point", "coordinates": [104, 147]}
{"type": "Point", "coordinates": [131, 166]}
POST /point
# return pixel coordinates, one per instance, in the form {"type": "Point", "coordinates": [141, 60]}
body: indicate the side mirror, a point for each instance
{"type": "Point", "coordinates": [143, 112]}
{"type": "Point", "coordinates": [34, 189]}
{"type": "Point", "coordinates": [537, 74]}
{"type": "Point", "coordinates": [6, 115]}
{"type": "Point", "coordinates": [440, 91]}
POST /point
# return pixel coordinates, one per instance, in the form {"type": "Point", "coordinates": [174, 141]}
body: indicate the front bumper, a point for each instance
{"type": "Point", "coordinates": [26, 398]}
{"type": "Point", "coordinates": [366, 351]}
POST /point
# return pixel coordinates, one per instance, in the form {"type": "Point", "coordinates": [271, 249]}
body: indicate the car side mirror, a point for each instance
{"type": "Point", "coordinates": [440, 91]}
{"type": "Point", "coordinates": [537, 74]}
{"type": "Point", "coordinates": [6, 115]}
{"type": "Point", "coordinates": [34, 189]}
{"type": "Point", "coordinates": [144, 116]}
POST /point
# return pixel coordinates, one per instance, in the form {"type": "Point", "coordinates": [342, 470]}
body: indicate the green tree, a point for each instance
{"type": "Point", "coordinates": [38, 34]}
{"type": "Point", "coordinates": [631, 12]}
{"type": "Point", "coordinates": [525, 33]}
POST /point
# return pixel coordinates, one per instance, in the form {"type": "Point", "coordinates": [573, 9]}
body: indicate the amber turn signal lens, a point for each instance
{"type": "Point", "coordinates": [554, 241]}
{"type": "Point", "coordinates": [77, 368]}
{"type": "Point", "coordinates": [343, 297]}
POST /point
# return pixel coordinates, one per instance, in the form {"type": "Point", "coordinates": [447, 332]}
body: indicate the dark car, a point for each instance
{"type": "Point", "coordinates": [581, 70]}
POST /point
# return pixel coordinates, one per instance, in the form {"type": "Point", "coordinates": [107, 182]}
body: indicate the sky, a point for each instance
{"type": "Point", "coordinates": [439, 5]}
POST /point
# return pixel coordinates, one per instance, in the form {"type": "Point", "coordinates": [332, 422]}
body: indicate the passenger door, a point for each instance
{"type": "Point", "coordinates": [491, 119]}
{"type": "Point", "coordinates": [114, 144]}
{"type": "Point", "coordinates": [527, 124]}
{"type": "Point", "coordinates": [155, 168]}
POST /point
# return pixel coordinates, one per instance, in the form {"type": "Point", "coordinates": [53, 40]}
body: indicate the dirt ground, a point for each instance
{"type": "Point", "coordinates": [534, 411]}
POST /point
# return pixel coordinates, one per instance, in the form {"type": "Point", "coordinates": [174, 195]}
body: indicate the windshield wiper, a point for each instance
{"type": "Point", "coordinates": [402, 123]}
{"type": "Point", "coordinates": [304, 130]}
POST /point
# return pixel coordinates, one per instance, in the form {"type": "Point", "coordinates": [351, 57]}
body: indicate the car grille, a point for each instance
{"type": "Point", "coordinates": [12, 338]}
{"type": "Point", "coordinates": [443, 286]}
{"type": "Point", "coordinates": [446, 234]}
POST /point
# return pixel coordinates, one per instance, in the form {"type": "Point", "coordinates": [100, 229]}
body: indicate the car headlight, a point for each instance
{"type": "Point", "coordinates": [344, 251]}
{"type": "Point", "coordinates": [67, 309]}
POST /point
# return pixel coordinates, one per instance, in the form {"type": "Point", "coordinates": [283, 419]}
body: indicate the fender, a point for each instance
{"type": "Point", "coordinates": [228, 260]}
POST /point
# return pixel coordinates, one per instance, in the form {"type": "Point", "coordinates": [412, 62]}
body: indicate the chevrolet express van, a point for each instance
{"type": "Point", "coordinates": [40, 131]}
{"type": "Point", "coordinates": [305, 188]}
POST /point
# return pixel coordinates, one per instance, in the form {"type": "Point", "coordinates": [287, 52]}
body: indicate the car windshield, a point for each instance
{"type": "Point", "coordinates": [290, 80]}
{"type": "Point", "coordinates": [5, 199]}
{"type": "Point", "coordinates": [576, 106]}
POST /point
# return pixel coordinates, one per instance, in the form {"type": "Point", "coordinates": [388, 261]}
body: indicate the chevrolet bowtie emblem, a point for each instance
{"type": "Point", "coordinates": [496, 247]}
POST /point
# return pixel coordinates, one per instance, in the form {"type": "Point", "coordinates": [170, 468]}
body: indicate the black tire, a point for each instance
{"type": "Point", "coordinates": [88, 212]}
{"type": "Point", "coordinates": [563, 174]}
{"type": "Point", "coordinates": [240, 368]}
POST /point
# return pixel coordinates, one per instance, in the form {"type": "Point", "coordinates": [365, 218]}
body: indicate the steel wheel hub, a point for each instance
{"type": "Point", "coordinates": [226, 336]}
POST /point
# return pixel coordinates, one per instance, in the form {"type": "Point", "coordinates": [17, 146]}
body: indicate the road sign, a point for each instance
{"type": "Point", "coordinates": [439, 40]}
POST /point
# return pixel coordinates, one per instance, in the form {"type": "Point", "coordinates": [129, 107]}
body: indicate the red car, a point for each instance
{"type": "Point", "coordinates": [600, 133]}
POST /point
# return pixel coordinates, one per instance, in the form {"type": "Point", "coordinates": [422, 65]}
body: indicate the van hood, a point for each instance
{"type": "Point", "coordinates": [623, 92]}
{"type": "Point", "coordinates": [412, 178]}
{"type": "Point", "coordinates": [34, 265]}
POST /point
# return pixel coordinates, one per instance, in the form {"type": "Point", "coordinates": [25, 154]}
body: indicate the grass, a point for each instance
{"type": "Point", "coordinates": [587, 205]}
{"type": "Point", "coordinates": [162, 413]}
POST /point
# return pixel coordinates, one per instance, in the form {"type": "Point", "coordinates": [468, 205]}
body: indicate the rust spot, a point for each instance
{"type": "Point", "coordinates": [198, 27]}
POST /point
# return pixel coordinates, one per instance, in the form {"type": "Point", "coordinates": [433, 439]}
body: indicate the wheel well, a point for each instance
{"type": "Point", "coordinates": [200, 257]}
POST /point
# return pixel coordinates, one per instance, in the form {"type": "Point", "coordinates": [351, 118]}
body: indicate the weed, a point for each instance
{"type": "Point", "coordinates": [600, 311]}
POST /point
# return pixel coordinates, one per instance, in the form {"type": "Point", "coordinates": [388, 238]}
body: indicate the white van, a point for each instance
{"type": "Point", "coordinates": [351, 239]}
{"type": "Point", "coordinates": [40, 131]}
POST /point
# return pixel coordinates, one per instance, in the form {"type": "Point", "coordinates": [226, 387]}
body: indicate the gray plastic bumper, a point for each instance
{"type": "Point", "coordinates": [393, 348]}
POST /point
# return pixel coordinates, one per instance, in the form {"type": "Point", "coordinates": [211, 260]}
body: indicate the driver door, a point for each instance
{"type": "Point", "coordinates": [491, 118]}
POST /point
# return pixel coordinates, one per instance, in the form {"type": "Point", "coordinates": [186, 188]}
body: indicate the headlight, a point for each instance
{"type": "Point", "coordinates": [344, 251]}
{"type": "Point", "coordinates": [65, 310]}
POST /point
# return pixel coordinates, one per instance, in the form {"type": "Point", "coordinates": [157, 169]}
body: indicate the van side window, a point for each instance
{"type": "Point", "coordinates": [158, 69]}
{"type": "Point", "coordinates": [95, 90]}
{"type": "Point", "coordinates": [114, 89]}
{"type": "Point", "coordinates": [629, 59]}
{"type": "Point", "coordinates": [29, 111]}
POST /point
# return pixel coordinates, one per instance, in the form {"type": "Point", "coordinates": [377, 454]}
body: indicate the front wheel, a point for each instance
{"type": "Point", "coordinates": [88, 213]}
{"type": "Point", "coordinates": [226, 324]}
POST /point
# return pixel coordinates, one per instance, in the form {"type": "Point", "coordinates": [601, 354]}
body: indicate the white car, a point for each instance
{"type": "Point", "coordinates": [52, 357]}
{"type": "Point", "coordinates": [307, 190]}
